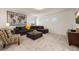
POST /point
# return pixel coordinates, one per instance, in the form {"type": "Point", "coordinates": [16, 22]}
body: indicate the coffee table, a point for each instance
{"type": "Point", "coordinates": [34, 36]}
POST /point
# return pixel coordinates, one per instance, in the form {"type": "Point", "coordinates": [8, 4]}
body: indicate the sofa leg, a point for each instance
{"type": "Point", "coordinates": [69, 44]}
{"type": "Point", "coordinates": [4, 46]}
{"type": "Point", "coordinates": [18, 42]}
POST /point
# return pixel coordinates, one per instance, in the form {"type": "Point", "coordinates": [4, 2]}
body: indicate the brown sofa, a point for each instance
{"type": "Point", "coordinates": [23, 31]}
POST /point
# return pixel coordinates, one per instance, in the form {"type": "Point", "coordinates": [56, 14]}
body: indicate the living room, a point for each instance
{"type": "Point", "coordinates": [43, 29]}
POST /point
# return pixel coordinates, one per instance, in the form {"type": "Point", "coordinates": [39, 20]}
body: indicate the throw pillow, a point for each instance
{"type": "Point", "coordinates": [28, 27]}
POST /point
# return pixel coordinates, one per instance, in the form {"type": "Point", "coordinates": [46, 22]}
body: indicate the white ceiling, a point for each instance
{"type": "Point", "coordinates": [34, 11]}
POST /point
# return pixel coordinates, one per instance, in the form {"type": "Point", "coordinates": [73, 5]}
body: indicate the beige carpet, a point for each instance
{"type": "Point", "coordinates": [49, 42]}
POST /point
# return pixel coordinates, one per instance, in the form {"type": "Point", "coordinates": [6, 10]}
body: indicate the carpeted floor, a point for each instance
{"type": "Point", "coordinates": [49, 42]}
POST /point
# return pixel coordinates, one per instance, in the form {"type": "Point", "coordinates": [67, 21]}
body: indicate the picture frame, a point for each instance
{"type": "Point", "coordinates": [16, 19]}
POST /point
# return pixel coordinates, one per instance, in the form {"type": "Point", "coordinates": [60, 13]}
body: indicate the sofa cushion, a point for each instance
{"type": "Point", "coordinates": [37, 27]}
{"type": "Point", "coordinates": [8, 32]}
{"type": "Point", "coordinates": [3, 38]}
{"type": "Point", "coordinates": [4, 33]}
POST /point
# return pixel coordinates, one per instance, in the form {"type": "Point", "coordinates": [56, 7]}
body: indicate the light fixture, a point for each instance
{"type": "Point", "coordinates": [39, 8]}
{"type": "Point", "coordinates": [7, 24]}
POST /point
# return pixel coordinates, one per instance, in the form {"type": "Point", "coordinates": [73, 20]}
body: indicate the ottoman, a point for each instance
{"type": "Point", "coordinates": [43, 30]}
{"type": "Point", "coordinates": [34, 36]}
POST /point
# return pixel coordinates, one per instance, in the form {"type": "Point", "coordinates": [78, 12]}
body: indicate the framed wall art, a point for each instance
{"type": "Point", "coordinates": [16, 19]}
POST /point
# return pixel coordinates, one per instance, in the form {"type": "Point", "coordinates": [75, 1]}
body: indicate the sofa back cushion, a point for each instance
{"type": "Point", "coordinates": [37, 27]}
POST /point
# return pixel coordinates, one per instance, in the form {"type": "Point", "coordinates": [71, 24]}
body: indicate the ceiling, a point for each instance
{"type": "Point", "coordinates": [33, 11]}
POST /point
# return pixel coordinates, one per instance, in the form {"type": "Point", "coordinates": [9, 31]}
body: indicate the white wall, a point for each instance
{"type": "Point", "coordinates": [56, 23]}
{"type": "Point", "coordinates": [3, 18]}
{"type": "Point", "coordinates": [59, 22]}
